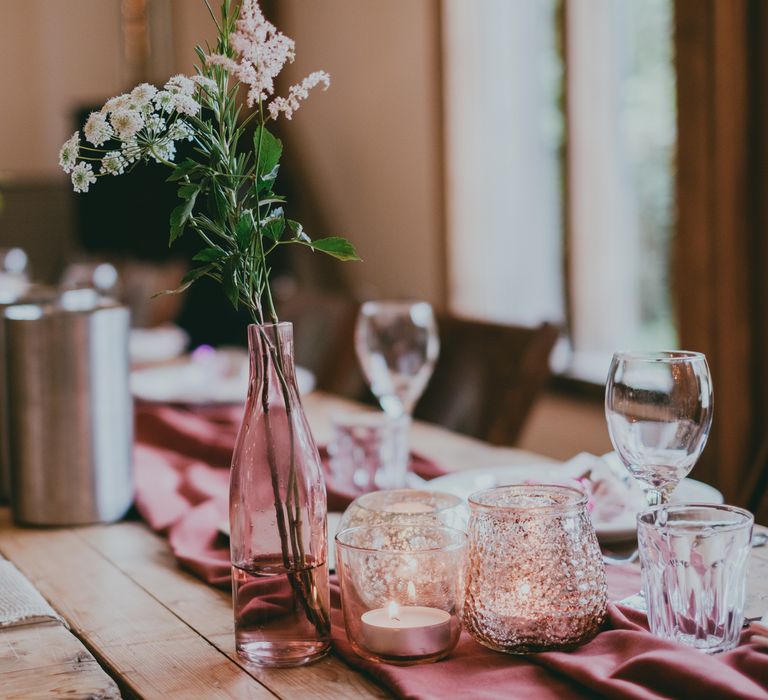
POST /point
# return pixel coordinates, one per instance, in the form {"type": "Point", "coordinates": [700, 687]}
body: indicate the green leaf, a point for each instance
{"type": "Point", "coordinates": [220, 204]}
{"type": "Point", "coordinates": [335, 246]}
{"type": "Point", "coordinates": [269, 155]}
{"type": "Point", "coordinates": [186, 282]}
{"type": "Point", "coordinates": [187, 190]}
{"type": "Point", "coordinates": [195, 274]}
{"type": "Point", "coordinates": [244, 229]}
{"type": "Point", "coordinates": [267, 179]}
{"type": "Point", "coordinates": [298, 231]}
{"type": "Point", "coordinates": [183, 169]}
{"type": "Point", "coordinates": [229, 281]}
{"type": "Point", "coordinates": [179, 217]}
{"type": "Point", "coordinates": [274, 225]}
{"type": "Point", "coordinates": [210, 255]}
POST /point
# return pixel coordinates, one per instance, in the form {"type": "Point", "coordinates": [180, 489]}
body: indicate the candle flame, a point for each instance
{"type": "Point", "coordinates": [393, 610]}
{"type": "Point", "coordinates": [411, 592]}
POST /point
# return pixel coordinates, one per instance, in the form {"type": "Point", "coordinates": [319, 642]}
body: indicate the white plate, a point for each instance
{"type": "Point", "coordinates": [203, 378]}
{"type": "Point", "coordinates": [158, 344]}
{"type": "Point", "coordinates": [620, 529]}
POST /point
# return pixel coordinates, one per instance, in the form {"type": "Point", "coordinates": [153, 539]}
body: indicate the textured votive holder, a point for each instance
{"type": "Point", "coordinates": [535, 577]}
{"type": "Point", "coordinates": [406, 507]}
{"type": "Point", "coordinates": [402, 588]}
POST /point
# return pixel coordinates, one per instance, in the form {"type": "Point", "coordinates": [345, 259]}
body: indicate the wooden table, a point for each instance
{"type": "Point", "coordinates": [160, 632]}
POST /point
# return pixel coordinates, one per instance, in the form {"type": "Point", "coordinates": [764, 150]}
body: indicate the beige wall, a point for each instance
{"type": "Point", "coordinates": [372, 142]}
{"type": "Point", "coordinates": [191, 26]}
{"type": "Point", "coordinates": [55, 56]}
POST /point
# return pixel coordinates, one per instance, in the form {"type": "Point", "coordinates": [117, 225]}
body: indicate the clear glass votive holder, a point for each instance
{"type": "Point", "coordinates": [535, 577]}
{"type": "Point", "coordinates": [369, 450]}
{"type": "Point", "coordinates": [694, 560]}
{"type": "Point", "coordinates": [406, 507]}
{"type": "Point", "coordinates": [402, 588]}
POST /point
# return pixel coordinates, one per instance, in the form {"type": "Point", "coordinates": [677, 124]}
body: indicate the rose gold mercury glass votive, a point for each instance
{"type": "Point", "coordinates": [535, 579]}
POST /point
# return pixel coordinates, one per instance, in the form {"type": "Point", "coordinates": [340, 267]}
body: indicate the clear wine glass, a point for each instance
{"type": "Point", "coordinates": [397, 345]}
{"type": "Point", "coordinates": [659, 411]}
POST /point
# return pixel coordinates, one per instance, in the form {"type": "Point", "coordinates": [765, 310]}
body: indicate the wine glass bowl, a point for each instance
{"type": "Point", "coordinates": [397, 345]}
{"type": "Point", "coordinates": [658, 406]}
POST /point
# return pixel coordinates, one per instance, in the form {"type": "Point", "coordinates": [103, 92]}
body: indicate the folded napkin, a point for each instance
{"type": "Point", "coordinates": [612, 493]}
{"type": "Point", "coordinates": [20, 602]}
{"type": "Point", "coordinates": [182, 459]}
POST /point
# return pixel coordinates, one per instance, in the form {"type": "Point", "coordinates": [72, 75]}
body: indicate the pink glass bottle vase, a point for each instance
{"type": "Point", "coordinates": [278, 515]}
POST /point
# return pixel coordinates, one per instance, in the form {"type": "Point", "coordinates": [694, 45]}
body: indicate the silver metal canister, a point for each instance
{"type": "Point", "coordinates": [70, 410]}
{"type": "Point", "coordinates": [33, 294]}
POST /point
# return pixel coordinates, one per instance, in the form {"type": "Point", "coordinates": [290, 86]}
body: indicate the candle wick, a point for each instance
{"type": "Point", "coordinates": [395, 617]}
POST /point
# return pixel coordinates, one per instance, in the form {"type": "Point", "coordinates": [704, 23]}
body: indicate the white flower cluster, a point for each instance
{"type": "Point", "coordinates": [69, 153]}
{"type": "Point", "coordinates": [146, 122]}
{"type": "Point", "coordinates": [263, 51]}
{"type": "Point", "coordinates": [82, 177]}
{"type": "Point", "coordinates": [114, 163]}
{"type": "Point", "coordinates": [97, 130]}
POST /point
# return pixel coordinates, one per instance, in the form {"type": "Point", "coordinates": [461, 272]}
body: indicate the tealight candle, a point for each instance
{"type": "Point", "coordinates": [406, 631]}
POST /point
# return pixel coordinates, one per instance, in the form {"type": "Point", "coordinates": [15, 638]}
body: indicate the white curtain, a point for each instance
{"type": "Point", "coordinates": [503, 127]}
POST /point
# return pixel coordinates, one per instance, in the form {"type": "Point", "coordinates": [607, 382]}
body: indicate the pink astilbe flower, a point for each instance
{"type": "Point", "coordinates": [296, 93]}
{"type": "Point", "coordinates": [262, 52]}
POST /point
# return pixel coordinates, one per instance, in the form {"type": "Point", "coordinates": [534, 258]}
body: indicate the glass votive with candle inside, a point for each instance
{"type": "Point", "coordinates": [535, 574]}
{"type": "Point", "coordinates": [406, 507]}
{"type": "Point", "coordinates": [402, 588]}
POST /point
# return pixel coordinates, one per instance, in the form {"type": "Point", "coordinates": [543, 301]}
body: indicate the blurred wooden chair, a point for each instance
{"type": "Point", "coordinates": [323, 328]}
{"type": "Point", "coordinates": [487, 377]}
{"type": "Point", "coordinates": [754, 496]}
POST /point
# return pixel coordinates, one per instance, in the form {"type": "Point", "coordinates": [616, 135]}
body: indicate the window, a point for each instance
{"type": "Point", "coordinates": [607, 280]}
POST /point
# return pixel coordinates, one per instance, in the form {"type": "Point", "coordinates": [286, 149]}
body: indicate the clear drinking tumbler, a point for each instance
{"type": "Point", "coordinates": [369, 450]}
{"type": "Point", "coordinates": [694, 569]}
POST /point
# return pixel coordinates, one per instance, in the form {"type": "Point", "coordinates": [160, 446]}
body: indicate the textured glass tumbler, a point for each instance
{"type": "Point", "coordinates": [402, 589]}
{"type": "Point", "coordinates": [694, 566]}
{"type": "Point", "coordinates": [369, 450]}
{"type": "Point", "coordinates": [535, 578]}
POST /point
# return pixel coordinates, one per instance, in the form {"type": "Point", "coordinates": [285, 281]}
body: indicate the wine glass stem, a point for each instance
{"type": "Point", "coordinates": [655, 497]}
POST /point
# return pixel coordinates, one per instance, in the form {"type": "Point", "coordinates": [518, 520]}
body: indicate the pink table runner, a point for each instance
{"type": "Point", "coordinates": [182, 462]}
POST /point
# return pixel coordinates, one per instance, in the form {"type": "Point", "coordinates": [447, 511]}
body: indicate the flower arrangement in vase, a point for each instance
{"type": "Point", "coordinates": [277, 494]}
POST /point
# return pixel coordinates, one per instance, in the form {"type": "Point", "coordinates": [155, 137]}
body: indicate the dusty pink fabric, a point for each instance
{"type": "Point", "coordinates": [182, 461]}
{"type": "Point", "coordinates": [623, 661]}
